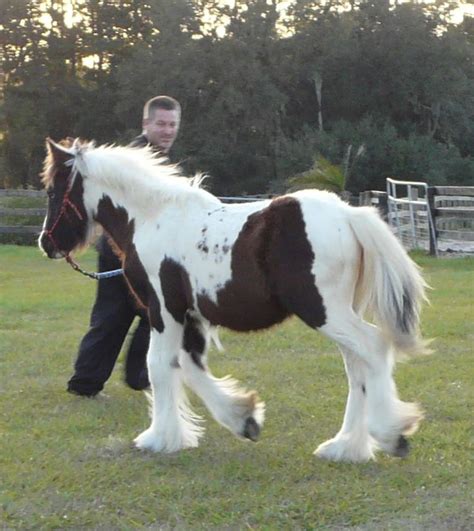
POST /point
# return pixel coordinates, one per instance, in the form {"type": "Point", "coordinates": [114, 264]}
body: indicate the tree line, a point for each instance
{"type": "Point", "coordinates": [375, 88]}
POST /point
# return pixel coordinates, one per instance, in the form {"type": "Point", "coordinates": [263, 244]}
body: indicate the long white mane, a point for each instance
{"type": "Point", "coordinates": [138, 173]}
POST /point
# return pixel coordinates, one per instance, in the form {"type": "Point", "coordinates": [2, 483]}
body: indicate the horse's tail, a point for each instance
{"type": "Point", "coordinates": [390, 286]}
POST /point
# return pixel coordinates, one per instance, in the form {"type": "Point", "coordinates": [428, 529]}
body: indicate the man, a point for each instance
{"type": "Point", "coordinates": [115, 309]}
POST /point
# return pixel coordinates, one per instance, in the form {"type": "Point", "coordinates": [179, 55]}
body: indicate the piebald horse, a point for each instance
{"type": "Point", "coordinates": [195, 263]}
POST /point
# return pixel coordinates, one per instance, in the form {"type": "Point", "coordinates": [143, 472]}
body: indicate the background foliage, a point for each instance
{"type": "Point", "coordinates": [264, 90]}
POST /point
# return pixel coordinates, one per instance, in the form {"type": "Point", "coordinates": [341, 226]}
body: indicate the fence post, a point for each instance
{"type": "Point", "coordinates": [363, 198]}
{"type": "Point", "coordinates": [430, 196]}
{"type": "Point", "coordinates": [383, 205]}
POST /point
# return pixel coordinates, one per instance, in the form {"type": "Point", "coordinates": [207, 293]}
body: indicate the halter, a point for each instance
{"type": "Point", "coordinates": [63, 212]}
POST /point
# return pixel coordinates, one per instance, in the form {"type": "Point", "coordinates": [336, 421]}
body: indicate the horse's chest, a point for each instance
{"type": "Point", "coordinates": [137, 278]}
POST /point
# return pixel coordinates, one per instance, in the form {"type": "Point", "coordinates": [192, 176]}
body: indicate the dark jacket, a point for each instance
{"type": "Point", "coordinates": [140, 141]}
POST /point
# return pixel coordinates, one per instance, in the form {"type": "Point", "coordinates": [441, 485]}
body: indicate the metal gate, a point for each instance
{"type": "Point", "coordinates": [409, 214]}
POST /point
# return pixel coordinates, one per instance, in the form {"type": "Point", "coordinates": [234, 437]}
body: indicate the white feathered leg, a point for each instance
{"type": "Point", "coordinates": [238, 410]}
{"type": "Point", "coordinates": [389, 419]}
{"type": "Point", "coordinates": [173, 425]}
{"type": "Point", "coordinates": [353, 442]}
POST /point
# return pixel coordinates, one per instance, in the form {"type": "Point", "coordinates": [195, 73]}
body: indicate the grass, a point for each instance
{"type": "Point", "coordinates": [68, 463]}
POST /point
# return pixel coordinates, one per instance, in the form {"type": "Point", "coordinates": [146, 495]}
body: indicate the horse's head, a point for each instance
{"type": "Point", "coordinates": [66, 226]}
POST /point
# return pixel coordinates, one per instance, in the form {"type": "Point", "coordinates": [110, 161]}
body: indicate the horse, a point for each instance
{"type": "Point", "coordinates": [195, 263]}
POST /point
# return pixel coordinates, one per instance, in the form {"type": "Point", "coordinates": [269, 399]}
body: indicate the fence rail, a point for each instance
{"type": "Point", "coordinates": [22, 212]}
{"type": "Point", "coordinates": [21, 229]}
{"type": "Point", "coordinates": [6, 192]}
{"type": "Point", "coordinates": [39, 212]}
{"type": "Point", "coordinates": [13, 226]}
{"type": "Point", "coordinates": [464, 191]}
{"type": "Point", "coordinates": [451, 208]}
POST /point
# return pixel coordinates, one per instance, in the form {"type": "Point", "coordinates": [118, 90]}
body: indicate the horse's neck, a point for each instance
{"type": "Point", "coordinates": [122, 212]}
{"type": "Point", "coordinates": [118, 221]}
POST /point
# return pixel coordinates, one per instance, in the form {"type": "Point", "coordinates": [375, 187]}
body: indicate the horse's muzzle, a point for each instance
{"type": "Point", "coordinates": [46, 245]}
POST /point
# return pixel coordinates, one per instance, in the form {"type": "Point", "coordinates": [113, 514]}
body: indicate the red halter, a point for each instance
{"type": "Point", "coordinates": [63, 212]}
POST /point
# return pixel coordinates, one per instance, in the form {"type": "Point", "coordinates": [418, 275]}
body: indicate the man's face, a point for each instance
{"type": "Point", "coordinates": [161, 128]}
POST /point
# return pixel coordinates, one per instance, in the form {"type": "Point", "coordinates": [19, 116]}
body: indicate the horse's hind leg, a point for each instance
{"type": "Point", "coordinates": [376, 413]}
{"type": "Point", "coordinates": [353, 442]}
{"type": "Point", "coordinates": [240, 411]}
{"type": "Point", "coordinates": [173, 424]}
{"type": "Point", "coordinates": [298, 293]}
{"type": "Point", "coordinates": [389, 419]}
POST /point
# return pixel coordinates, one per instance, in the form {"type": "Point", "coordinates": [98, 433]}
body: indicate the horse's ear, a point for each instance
{"type": "Point", "coordinates": [60, 154]}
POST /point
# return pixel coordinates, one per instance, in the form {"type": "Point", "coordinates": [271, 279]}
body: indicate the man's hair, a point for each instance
{"type": "Point", "coordinates": [160, 102]}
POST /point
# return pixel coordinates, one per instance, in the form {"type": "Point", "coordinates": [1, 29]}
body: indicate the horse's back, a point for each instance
{"type": "Point", "coordinates": [327, 225]}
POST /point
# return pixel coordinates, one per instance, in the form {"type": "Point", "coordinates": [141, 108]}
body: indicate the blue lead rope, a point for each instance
{"type": "Point", "coordinates": [107, 274]}
{"type": "Point", "coordinates": [95, 276]}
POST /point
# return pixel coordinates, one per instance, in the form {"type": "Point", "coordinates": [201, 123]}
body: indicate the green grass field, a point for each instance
{"type": "Point", "coordinates": [68, 462]}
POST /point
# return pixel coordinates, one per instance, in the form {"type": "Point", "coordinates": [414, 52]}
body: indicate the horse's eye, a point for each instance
{"type": "Point", "coordinates": [50, 194]}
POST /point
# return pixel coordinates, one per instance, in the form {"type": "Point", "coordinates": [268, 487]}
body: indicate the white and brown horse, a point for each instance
{"type": "Point", "coordinates": [195, 263]}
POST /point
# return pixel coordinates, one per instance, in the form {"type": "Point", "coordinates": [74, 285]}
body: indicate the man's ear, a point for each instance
{"type": "Point", "coordinates": [59, 153]}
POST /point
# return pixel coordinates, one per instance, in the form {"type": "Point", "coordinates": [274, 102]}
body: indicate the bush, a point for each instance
{"type": "Point", "coordinates": [386, 154]}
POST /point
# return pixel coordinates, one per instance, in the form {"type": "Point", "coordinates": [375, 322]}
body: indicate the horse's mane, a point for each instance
{"type": "Point", "coordinates": [136, 172]}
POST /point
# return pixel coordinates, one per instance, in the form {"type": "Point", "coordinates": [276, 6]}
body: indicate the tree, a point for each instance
{"type": "Point", "coordinates": [263, 89]}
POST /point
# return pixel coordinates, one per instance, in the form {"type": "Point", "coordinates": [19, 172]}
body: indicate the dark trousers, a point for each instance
{"type": "Point", "coordinates": [112, 315]}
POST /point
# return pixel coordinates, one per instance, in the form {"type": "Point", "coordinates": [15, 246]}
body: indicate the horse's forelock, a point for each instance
{"type": "Point", "coordinates": [49, 167]}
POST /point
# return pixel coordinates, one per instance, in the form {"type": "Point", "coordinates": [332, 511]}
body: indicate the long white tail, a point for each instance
{"type": "Point", "coordinates": [390, 285]}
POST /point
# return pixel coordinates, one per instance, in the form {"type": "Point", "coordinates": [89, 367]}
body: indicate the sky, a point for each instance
{"type": "Point", "coordinates": [466, 7]}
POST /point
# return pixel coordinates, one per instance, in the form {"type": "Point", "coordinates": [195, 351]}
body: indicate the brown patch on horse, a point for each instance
{"type": "Point", "coordinates": [194, 341]}
{"type": "Point", "coordinates": [178, 296]}
{"type": "Point", "coordinates": [290, 258]}
{"type": "Point", "coordinates": [176, 288]}
{"type": "Point", "coordinates": [271, 273]}
{"type": "Point", "coordinates": [121, 229]}
{"type": "Point", "coordinates": [246, 302]}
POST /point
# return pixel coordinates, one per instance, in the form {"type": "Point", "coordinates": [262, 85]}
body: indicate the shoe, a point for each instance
{"type": "Point", "coordinates": [139, 386]}
{"type": "Point", "coordinates": [82, 392]}
{"type": "Point", "coordinates": [138, 383]}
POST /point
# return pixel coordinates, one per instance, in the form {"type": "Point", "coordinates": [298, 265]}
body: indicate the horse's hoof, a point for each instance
{"type": "Point", "coordinates": [251, 429]}
{"type": "Point", "coordinates": [403, 447]}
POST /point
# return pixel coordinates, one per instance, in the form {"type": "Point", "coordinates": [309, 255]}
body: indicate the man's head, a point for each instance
{"type": "Point", "coordinates": [161, 118]}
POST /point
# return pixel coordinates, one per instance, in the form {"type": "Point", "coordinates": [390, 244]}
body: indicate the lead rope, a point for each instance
{"type": "Point", "coordinates": [95, 276]}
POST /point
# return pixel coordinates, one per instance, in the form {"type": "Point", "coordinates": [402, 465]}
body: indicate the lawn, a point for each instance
{"type": "Point", "coordinates": [68, 462]}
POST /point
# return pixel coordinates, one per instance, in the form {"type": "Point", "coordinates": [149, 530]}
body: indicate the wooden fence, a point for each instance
{"type": "Point", "coordinates": [452, 209]}
{"type": "Point", "coordinates": [29, 232]}
{"type": "Point", "coordinates": [35, 215]}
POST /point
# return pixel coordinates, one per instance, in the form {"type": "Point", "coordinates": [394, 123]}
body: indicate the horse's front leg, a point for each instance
{"type": "Point", "coordinates": [173, 424]}
{"type": "Point", "coordinates": [238, 410]}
